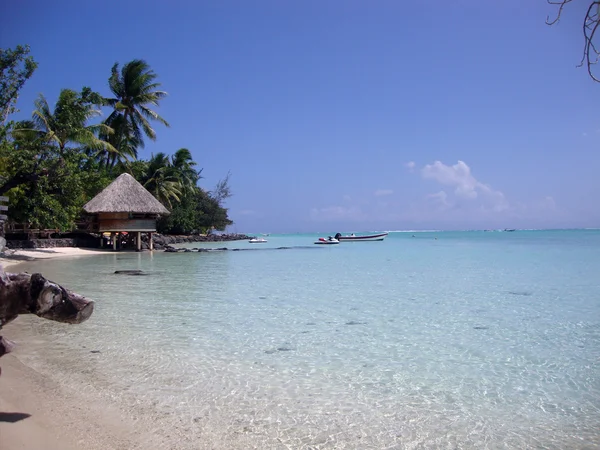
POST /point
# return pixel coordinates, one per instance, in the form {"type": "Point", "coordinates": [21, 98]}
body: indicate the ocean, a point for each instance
{"type": "Point", "coordinates": [469, 340]}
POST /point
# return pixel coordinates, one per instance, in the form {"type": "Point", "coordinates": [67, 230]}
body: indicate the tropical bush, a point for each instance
{"type": "Point", "coordinates": [51, 165]}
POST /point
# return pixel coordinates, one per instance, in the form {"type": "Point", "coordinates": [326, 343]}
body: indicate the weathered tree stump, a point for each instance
{"type": "Point", "coordinates": [24, 293]}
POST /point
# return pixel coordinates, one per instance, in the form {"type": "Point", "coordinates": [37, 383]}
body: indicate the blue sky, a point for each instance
{"type": "Point", "coordinates": [350, 115]}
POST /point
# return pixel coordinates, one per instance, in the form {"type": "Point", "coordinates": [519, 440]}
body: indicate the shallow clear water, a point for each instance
{"type": "Point", "coordinates": [470, 340]}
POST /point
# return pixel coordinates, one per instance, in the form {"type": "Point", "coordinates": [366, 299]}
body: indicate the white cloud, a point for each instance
{"type": "Point", "coordinates": [410, 165]}
{"type": "Point", "coordinates": [440, 198]}
{"type": "Point", "coordinates": [466, 186]}
{"type": "Point", "coordinates": [383, 192]}
{"type": "Point", "coordinates": [458, 176]}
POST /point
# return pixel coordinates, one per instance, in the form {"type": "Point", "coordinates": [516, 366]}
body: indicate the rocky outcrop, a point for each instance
{"type": "Point", "coordinates": [161, 241]}
{"type": "Point", "coordinates": [93, 240]}
{"type": "Point", "coordinates": [42, 243]}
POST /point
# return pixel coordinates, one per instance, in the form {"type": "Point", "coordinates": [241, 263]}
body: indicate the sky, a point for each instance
{"type": "Point", "coordinates": [349, 115]}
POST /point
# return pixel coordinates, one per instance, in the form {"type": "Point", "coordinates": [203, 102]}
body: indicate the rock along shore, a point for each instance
{"type": "Point", "coordinates": [85, 240]}
{"type": "Point", "coordinates": [161, 241]}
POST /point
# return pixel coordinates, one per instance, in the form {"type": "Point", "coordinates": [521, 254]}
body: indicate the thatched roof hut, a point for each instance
{"type": "Point", "coordinates": [125, 208]}
{"type": "Point", "coordinates": [125, 195]}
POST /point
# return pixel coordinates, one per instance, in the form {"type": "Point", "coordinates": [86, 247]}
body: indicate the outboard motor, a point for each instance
{"type": "Point", "coordinates": [338, 236]}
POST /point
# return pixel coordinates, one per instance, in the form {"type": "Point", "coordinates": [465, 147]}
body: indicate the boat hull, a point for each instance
{"type": "Point", "coordinates": [323, 241]}
{"type": "Point", "coordinates": [367, 238]}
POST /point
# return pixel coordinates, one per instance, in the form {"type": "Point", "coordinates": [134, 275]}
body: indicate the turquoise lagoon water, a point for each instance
{"type": "Point", "coordinates": [471, 340]}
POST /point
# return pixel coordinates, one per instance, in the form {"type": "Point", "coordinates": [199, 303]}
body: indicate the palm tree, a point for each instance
{"type": "Point", "coordinates": [123, 142]}
{"type": "Point", "coordinates": [182, 166]}
{"type": "Point", "coordinates": [68, 123]}
{"type": "Point", "coordinates": [135, 91]}
{"type": "Point", "coordinates": [161, 180]}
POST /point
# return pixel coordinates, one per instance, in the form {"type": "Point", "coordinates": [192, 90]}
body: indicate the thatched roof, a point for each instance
{"type": "Point", "coordinates": [125, 194]}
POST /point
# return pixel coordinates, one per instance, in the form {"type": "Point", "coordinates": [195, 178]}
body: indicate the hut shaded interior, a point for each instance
{"type": "Point", "coordinates": [124, 210]}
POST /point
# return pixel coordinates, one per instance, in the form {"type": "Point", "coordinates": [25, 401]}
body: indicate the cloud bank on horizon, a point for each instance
{"type": "Point", "coordinates": [461, 200]}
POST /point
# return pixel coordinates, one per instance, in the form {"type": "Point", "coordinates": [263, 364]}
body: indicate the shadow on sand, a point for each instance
{"type": "Point", "coordinates": [12, 417]}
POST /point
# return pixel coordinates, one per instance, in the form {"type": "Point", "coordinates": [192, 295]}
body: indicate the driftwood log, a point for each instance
{"type": "Point", "coordinates": [24, 293]}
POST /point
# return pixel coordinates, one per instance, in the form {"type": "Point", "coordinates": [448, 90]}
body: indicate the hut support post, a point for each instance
{"type": "Point", "coordinates": [139, 241]}
{"type": "Point", "coordinates": [113, 236]}
{"type": "Point", "coordinates": [151, 243]}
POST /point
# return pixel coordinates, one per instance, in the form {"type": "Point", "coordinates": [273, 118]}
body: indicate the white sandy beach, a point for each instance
{"type": "Point", "coordinates": [36, 412]}
{"type": "Point", "coordinates": [13, 257]}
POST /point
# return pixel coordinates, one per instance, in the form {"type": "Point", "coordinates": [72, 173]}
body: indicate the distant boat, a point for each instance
{"type": "Point", "coordinates": [364, 238]}
{"type": "Point", "coordinates": [257, 240]}
{"type": "Point", "coordinates": [510, 229]}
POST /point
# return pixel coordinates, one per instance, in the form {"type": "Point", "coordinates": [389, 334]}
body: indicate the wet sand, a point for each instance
{"type": "Point", "coordinates": [38, 413]}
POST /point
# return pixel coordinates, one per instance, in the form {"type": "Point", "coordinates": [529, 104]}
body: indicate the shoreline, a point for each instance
{"type": "Point", "coordinates": [10, 258]}
{"type": "Point", "coordinates": [36, 411]}
{"type": "Point", "coordinates": [87, 241]}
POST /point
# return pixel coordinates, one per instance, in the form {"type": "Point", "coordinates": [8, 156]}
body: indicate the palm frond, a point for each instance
{"type": "Point", "coordinates": [101, 129]}
{"type": "Point", "coordinates": [135, 90]}
{"type": "Point", "coordinates": [140, 121]}
{"type": "Point", "coordinates": [26, 130]}
{"type": "Point", "coordinates": [114, 82]}
{"type": "Point", "coordinates": [41, 115]}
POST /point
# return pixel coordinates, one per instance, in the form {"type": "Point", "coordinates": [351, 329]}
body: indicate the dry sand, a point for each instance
{"type": "Point", "coordinates": [13, 257]}
{"type": "Point", "coordinates": [37, 413]}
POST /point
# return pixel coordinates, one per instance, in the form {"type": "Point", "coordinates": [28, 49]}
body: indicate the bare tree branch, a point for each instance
{"type": "Point", "coordinates": [560, 10]}
{"type": "Point", "coordinates": [222, 190]}
{"type": "Point", "coordinates": [591, 22]}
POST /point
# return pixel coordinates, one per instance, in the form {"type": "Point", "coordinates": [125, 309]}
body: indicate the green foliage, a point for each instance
{"type": "Point", "coordinates": [23, 157]}
{"type": "Point", "coordinates": [173, 181]}
{"type": "Point", "coordinates": [68, 124]}
{"type": "Point", "coordinates": [182, 165]}
{"type": "Point", "coordinates": [53, 164]}
{"type": "Point", "coordinates": [161, 180]}
{"type": "Point", "coordinates": [213, 216]}
{"type": "Point", "coordinates": [183, 218]}
{"type": "Point", "coordinates": [168, 179]}
{"type": "Point", "coordinates": [135, 91]}
{"type": "Point", "coordinates": [196, 213]}
{"type": "Point", "coordinates": [15, 69]}
{"type": "Point", "coordinates": [123, 143]}
{"type": "Point", "coordinates": [54, 199]}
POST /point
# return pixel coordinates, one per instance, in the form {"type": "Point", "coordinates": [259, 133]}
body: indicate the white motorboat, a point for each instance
{"type": "Point", "coordinates": [257, 240]}
{"type": "Point", "coordinates": [365, 238]}
{"type": "Point", "coordinates": [328, 241]}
